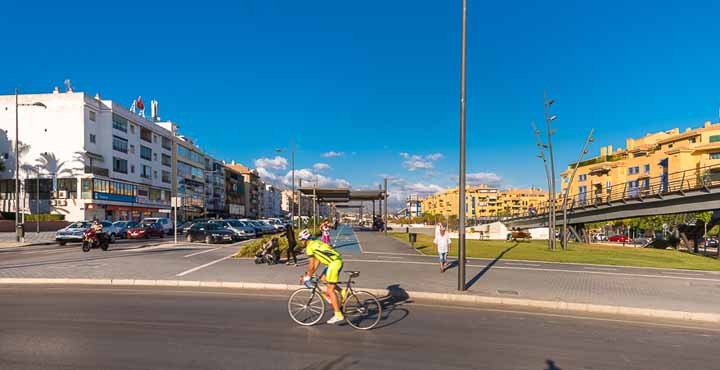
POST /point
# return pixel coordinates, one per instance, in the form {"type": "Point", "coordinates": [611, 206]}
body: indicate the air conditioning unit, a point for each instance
{"type": "Point", "coordinates": [62, 194]}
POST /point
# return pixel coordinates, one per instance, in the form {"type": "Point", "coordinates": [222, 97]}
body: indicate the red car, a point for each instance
{"type": "Point", "coordinates": [145, 231]}
{"type": "Point", "coordinates": [619, 239]}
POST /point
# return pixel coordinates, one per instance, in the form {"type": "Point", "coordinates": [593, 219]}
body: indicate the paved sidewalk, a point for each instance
{"type": "Point", "coordinates": [7, 240]}
{"type": "Point", "coordinates": [386, 263]}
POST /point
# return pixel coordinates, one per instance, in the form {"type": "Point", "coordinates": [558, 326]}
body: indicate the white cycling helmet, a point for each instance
{"type": "Point", "coordinates": [304, 235]}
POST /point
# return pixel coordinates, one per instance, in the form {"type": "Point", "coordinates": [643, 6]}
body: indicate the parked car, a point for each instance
{"type": "Point", "coordinates": [145, 230]}
{"type": "Point", "coordinates": [122, 227]}
{"type": "Point", "coordinates": [209, 233]}
{"type": "Point", "coordinates": [240, 230]}
{"type": "Point", "coordinates": [72, 233]}
{"type": "Point", "coordinates": [183, 228]}
{"type": "Point", "coordinates": [277, 224]}
{"type": "Point", "coordinates": [165, 222]}
{"type": "Point", "coordinates": [711, 242]}
{"type": "Point", "coordinates": [619, 239]}
{"type": "Point", "coordinates": [266, 227]}
{"type": "Point", "coordinates": [600, 237]}
{"type": "Point", "coordinates": [259, 230]}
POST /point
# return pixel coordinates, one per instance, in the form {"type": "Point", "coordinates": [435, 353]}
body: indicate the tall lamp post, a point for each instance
{"type": "Point", "coordinates": [18, 226]}
{"type": "Point", "coordinates": [292, 160]}
{"type": "Point", "coordinates": [541, 149]}
{"type": "Point", "coordinates": [584, 151]}
{"type": "Point", "coordinates": [548, 119]}
{"type": "Point", "coordinates": [461, 227]}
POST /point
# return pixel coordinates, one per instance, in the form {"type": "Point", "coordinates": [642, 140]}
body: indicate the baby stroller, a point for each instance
{"type": "Point", "coordinates": [269, 253]}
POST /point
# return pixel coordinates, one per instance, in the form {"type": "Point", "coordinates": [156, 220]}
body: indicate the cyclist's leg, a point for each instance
{"type": "Point", "coordinates": [332, 277]}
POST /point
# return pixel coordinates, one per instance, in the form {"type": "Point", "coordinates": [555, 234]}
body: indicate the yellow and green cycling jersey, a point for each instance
{"type": "Point", "coordinates": [327, 256]}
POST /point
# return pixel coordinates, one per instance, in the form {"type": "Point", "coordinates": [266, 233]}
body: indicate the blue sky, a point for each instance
{"type": "Point", "coordinates": [377, 81]}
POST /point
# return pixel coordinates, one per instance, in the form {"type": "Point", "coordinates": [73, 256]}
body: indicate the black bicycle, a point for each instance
{"type": "Point", "coordinates": [362, 309]}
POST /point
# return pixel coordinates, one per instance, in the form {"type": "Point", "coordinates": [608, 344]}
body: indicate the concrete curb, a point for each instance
{"type": "Point", "coordinates": [460, 298]}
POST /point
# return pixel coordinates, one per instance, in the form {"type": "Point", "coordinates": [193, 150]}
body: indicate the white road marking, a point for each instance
{"type": "Point", "coordinates": [552, 270]}
{"type": "Point", "coordinates": [600, 268]}
{"type": "Point", "coordinates": [523, 264]}
{"type": "Point", "coordinates": [201, 252]}
{"type": "Point", "coordinates": [393, 257]}
{"type": "Point", "coordinates": [395, 254]}
{"type": "Point", "coordinates": [205, 265]}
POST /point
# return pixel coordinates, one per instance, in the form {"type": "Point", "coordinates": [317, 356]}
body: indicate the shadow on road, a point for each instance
{"type": "Point", "coordinates": [551, 365]}
{"type": "Point", "coordinates": [392, 310]}
{"type": "Point", "coordinates": [488, 267]}
{"type": "Point", "coordinates": [333, 364]}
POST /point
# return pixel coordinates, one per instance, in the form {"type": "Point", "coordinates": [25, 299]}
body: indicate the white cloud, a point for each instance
{"type": "Point", "coordinates": [332, 154]}
{"type": "Point", "coordinates": [277, 163]}
{"type": "Point", "coordinates": [311, 178]}
{"type": "Point", "coordinates": [399, 189]}
{"type": "Point", "coordinates": [266, 175]}
{"type": "Point", "coordinates": [415, 162]}
{"type": "Point", "coordinates": [486, 178]}
{"type": "Point", "coordinates": [321, 167]}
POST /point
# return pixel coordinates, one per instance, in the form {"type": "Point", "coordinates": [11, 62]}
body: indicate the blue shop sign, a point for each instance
{"type": "Point", "coordinates": [114, 197]}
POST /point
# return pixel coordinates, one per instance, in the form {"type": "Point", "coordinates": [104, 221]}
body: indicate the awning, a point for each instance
{"type": "Point", "coordinates": [335, 195]}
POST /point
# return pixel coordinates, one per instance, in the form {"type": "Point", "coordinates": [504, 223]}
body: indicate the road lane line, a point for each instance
{"type": "Point", "coordinates": [523, 264]}
{"type": "Point", "coordinates": [201, 252]}
{"type": "Point", "coordinates": [677, 277]}
{"type": "Point", "coordinates": [205, 265]}
{"type": "Point", "coordinates": [393, 257]}
{"type": "Point", "coordinates": [600, 268]}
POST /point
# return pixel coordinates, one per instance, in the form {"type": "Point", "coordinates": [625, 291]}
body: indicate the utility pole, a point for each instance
{"type": "Point", "coordinates": [385, 195]}
{"type": "Point", "coordinates": [461, 218]}
{"type": "Point", "coordinates": [548, 119]}
{"type": "Point", "coordinates": [541, 149]}
{"type": "Point", "coordinates": [584, 151]}
{"type": "Point", "coordinates": [18, 232]}
{"type": "Point", "coordinates": [299, 195]}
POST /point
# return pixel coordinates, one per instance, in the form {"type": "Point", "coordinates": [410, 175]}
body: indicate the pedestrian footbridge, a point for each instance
{"type": "Point", "coordinates": [693, 190]}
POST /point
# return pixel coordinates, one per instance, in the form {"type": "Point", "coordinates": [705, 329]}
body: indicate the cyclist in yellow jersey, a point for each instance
{"type": "Point", "coordinates": [321, 253]}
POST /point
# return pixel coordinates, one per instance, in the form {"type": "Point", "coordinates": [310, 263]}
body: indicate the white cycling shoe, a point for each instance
{"type": "Point", "coordinates": [336, 319]}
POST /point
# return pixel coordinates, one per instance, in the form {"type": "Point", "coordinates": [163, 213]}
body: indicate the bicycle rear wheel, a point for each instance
{"type": "Point", "coordinates": [362, 310]}
{"type": "Point", "coordinates": [306, 306]}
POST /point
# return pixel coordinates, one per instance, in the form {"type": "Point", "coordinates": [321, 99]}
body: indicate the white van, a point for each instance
{"type": "Point", "coordinates": [165, 222]}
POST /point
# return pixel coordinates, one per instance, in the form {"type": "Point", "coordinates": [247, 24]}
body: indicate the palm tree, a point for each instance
{"type": "Point", "coordinates": [53, 166]}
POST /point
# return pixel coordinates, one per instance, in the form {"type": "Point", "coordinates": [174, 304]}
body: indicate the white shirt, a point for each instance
{"type": "Point", "coordinates": [442, 242]}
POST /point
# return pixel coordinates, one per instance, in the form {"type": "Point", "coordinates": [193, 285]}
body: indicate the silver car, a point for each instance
{"type": "Point", "coordinates": [240, 230]}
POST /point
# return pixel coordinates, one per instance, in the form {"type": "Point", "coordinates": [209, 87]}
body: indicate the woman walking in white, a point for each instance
{"type": "Point", "coordinates": [442, 243]}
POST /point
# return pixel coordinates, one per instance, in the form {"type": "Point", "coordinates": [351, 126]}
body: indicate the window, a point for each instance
{"type": "Point", "coordinates": [91, 115]}
{"type": "Point", "coordinates": [146, 134]}
{"type": "Point", "coordinates": [166, 143]}
{"type": "Point", "coordinates": [582, 177]}
{"type": "Point", "coordinates": [670, 146]}
{"type": "Point", "coordinates": [146, 172]}
{"type": "Point", "coordinates": [634, 170]}
{"type": "Point", "coordinates": [145, 153]}
{"type": "Point", "coordinates": [646, 168]}
{"type": "Point", "coordinates": [119, 123]}
{"type": "Point", "coordinates": [132, 149]}
{"type": "Point", "coordinates": [120, 165]}
{"type": "Point", "coordinates": [714, 138]}
{"type": "Point", "coordinates": [92, 138]}
{"type": "Point", "coordinates": [120, 144]}
{"type": "Point", "coordinates": [166, 160]}
{"type": "Point", "coordinates": [155, 174]}
{"type": "Point", "coordinates": [132, 128]}
{"type": "Point", "coordinates": [132, 168]}
{"type": "Point", "coordinates": [155, 157]}
{"type": "Point", "coordinates": [715, 155]}
{"type": "Point", "coordinates": [166, 177]}
{"type": "Point", "coordinates": [190, 155]}
{"type": "Point", "coordinates": [154, 138]}
{"type": "Point", "coordinates": [608, 187]}
{"type": "Point", "coordinates": [692, 140]}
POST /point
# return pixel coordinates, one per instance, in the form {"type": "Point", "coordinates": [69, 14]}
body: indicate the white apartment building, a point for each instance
{"type": "Point", "coordinates": [95, 158]}
{"type": "Point", "coordinates": [271, 199]}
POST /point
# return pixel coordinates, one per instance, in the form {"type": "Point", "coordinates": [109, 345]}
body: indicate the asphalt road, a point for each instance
{"type": "Point", "coordinates": [111, 328]}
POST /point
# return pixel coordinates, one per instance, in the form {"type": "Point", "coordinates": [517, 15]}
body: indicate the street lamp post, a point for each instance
{"type": "Point", "coordinates": [18, 232]}
{"type": "Point", "coordinates": [461, 218]}
{"type": "Point", "coordinates": [541, 148]}
{"type": "Point", "coordinates": [292, 202]}
{"type": "Point", "coordinates": [548, 120]}
{"type": "Point", "coordinates": [37, 200]}
{"type": "Point", "coordinates": [584, 151]}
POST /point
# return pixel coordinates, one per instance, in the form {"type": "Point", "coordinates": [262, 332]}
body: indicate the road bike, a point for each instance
{"type": "Point", "coordinates": [362, 309]}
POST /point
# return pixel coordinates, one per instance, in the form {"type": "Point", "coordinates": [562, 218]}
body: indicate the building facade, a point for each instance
{"type": "Point", "coordinates": [215, 193]}
{"type": "Point", "coordinates": [91, 158]}
{"type": "Point", "coordinates": [650, 161]}
{"type": "Point", "coordinates": [251, 189]}
{"type": "Point", "coordinates": [234, 193]}
{"type": "Point", "coordinates": [271, 202]}
{"type": "Point", "coordinates": [484, 202]}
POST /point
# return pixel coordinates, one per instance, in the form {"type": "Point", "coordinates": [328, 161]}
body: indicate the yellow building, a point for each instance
{"type": "Point", "coordinates": [484, 202]}
{"type": "Point", "coordinates": [647, 164]}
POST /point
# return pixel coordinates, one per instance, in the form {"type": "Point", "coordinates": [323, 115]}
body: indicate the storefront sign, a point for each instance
{"type": "Point", "coordinates": [113, 197]}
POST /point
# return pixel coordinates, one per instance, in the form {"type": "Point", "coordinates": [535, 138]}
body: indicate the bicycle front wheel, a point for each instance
{"type": "Point", "coordinates": [306, 306]}
{"type": "Point", "coordinates": [362, 310]}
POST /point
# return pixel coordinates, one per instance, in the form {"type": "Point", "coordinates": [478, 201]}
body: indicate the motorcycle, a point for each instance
{"type": "Point", "coordinates": [93, 239]}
